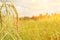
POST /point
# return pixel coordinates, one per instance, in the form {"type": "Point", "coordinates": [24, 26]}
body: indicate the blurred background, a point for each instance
{"type": "Point", "coordinates": [36, 7]}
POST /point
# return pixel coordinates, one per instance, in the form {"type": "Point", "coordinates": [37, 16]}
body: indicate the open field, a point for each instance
{"type": "Point", "coordinates": [41, 29]}
{"type": "Point", "coordinates": [36, 28]}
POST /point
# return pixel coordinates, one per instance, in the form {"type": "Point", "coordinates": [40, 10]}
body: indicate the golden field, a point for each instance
{"type": "Point", "coordinates": [46, 28]}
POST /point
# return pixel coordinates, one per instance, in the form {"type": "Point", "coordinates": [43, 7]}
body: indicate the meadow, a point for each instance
{"type": "Point", "coordinates": [41, 29]}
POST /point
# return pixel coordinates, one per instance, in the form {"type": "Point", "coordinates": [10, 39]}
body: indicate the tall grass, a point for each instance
{"type": "Point", "coordinates": [41, 29]}
{"type": "Point", "coordinates": [15, 29]}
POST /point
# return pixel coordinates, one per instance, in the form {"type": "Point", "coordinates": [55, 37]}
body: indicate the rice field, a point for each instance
{"type": "Point", "coordinates": [41, 29]}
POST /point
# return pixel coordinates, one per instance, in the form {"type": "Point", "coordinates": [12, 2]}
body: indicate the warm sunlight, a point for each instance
{"type": "Point", "coordinates": [33, 7]}
{"type": "Point", "coordinates": [29, 19]}
{"type": "Point", "coordinates": [34, 0]}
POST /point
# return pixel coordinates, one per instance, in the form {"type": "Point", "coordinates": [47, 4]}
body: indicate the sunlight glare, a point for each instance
{"type": "Point", "coordinates": [34, 1]}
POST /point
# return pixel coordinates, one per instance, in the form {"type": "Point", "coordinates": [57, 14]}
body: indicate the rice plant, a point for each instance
{"type": "Point", "coordinates": [11, 28]}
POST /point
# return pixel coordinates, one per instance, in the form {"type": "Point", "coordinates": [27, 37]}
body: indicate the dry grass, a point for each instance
{"type": "Point", "coordinates": [41, 29]}
{"type": "Point", "coordinates": [44, 29]}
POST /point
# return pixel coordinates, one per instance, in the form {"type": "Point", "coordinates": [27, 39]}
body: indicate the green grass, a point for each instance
{"type": "Point", "coordinates": [41, 29]}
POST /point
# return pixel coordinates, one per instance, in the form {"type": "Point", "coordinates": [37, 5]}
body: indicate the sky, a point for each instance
{"type": "Point", "coordinates": [36, 7]}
